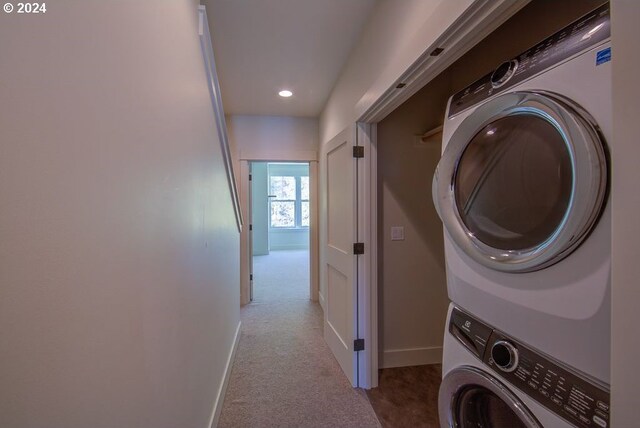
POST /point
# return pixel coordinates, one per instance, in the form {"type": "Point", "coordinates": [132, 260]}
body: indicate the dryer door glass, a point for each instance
{"type": "Point", "coordinates": [513, 182]}
{"type": "Point", "coordinates": [478, 407]}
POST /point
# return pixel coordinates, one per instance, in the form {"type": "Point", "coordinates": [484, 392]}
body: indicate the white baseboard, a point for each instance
{"type": "Point", "coordinates": [410, 357]}
{"type": "Point", "coordinates": [217, 407]}
{"type": "Point", "coordinates": [321, 300]}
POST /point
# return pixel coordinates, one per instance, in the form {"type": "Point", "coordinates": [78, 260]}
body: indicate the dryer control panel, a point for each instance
{"type": "Point", "coordinates": [557, 387]}
{"type": "Point", "coordinates": [583, 34]}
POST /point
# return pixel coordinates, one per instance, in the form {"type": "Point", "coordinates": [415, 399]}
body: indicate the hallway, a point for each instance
{"type": "Point", "coordinates": [281, 275]}
{"type": "Point", "coordinates": [284, 374]}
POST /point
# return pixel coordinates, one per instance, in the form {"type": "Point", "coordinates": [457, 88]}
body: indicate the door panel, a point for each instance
{"type": "Point", "coordinates": [338, 294]}
{"type": "Point", "coordinates": [339, 198]}
{"type": "Point", "coordinates": [340, 263]}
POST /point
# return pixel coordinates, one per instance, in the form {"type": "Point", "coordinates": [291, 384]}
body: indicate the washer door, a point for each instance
{"type": "Point", "coordinates": [521, 181]}
{"type": "Point", "coordinates": [470, 397]}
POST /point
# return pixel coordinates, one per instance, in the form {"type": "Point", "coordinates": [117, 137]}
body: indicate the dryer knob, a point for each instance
{"type": "Point", "coordinates": [505, 355]}
{"type": "Point", "coordinates": [503, 73]}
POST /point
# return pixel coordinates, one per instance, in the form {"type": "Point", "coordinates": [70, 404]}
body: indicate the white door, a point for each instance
{"type": "Point", "coordinates": [339, 261]}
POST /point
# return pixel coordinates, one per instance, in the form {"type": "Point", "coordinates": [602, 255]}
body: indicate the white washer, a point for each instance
{"type": "Point", "coordinates": [491, 380]}
{"type": "Point", "coordinates": [522, 191]}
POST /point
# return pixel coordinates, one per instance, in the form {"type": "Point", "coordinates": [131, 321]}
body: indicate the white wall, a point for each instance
{"type": "Point", "coordinates": [119, 250]}
{"type": "Point", "coordinates": [396, 34]}
{"type": "Point", "coordinates": [281, 134]}
{"type": "Point", "coordinates": [289, 239]}
{"type": "Point", "coordinates": [625, 153]}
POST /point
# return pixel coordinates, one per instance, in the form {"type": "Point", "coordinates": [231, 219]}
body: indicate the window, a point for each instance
{"type": "Point", "coordinates": [304, 201]}
{"type": "Point", "coordinates": [289, 199]}
{"type": "Point", "coordinates": [282, 191]}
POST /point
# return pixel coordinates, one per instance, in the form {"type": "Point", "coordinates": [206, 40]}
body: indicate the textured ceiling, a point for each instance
{"type": "Point", "coordinates": [263, 46]}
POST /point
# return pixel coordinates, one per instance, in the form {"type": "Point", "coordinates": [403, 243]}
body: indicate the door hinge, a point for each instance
{"type": "Point", "coordinates": [358, 152]}
{"type": "Point", "coordinates": [250, 277]}
{"type": "Point", "coordinates": [250, 227]}
{"type": "Point", "coordinates": [358, 345]}
{"type": "Point", "coordinates": [358, 248]}
{"type": "Point", "coordinates": [250, 177]}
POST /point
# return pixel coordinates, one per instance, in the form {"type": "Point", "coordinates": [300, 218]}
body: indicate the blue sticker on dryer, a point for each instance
{"type": "Point", "coordinates": [603, 56]}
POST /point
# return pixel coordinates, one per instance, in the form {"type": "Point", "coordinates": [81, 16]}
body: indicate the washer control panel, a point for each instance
{"type": "Point", "coordinates": [555, 386]}
{"type": "Point", "coordinates": [472, 333]}
{"type": "Point", "coordinates": [585, 33]}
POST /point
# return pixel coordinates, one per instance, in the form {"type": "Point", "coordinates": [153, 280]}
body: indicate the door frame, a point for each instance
{"type": "Point", "coordinates": [368, 262]}
{"type": "Point", "coordinates": [245, 158]}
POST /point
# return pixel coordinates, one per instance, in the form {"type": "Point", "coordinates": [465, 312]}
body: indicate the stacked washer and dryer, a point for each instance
{"type": "Point", "coordinates": [522, 190]}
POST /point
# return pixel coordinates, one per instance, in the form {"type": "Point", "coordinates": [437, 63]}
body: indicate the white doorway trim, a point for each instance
{"type": "Point", "coordinates": [245, 244]}
{"type": "Point", "coordinates": [480, 19]}
{"type": "Point", "coordinates": [368, 262]}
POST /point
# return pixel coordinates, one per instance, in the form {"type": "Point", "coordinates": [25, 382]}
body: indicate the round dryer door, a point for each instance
{"type": "Point", "coordinates": [521, 181]}
{"type": "Point", "coordinates": [470, 397]}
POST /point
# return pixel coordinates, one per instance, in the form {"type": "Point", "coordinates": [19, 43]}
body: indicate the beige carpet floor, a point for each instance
{"type": "Point", "coordinates": [281, 275]}
{"type": "Point", "coordinates": [284, 374]}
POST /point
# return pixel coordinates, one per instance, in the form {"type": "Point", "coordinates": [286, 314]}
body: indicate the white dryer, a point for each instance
{"type": "Point", "coordinates": [522, 191]}
{"type": "Point", "coordinates": [492, 380]}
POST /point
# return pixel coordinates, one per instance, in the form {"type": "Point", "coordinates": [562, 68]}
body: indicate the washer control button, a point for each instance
{"type": "Point", "coordinates": [603, 406]}
{"type": "Point", "coordinates": [584, 420]}
{"type": "Point", "coordinates": [598, 420]}
{"type": "Point", "coordinates": [572, 411]}
{"type": "Point", "coordinates": [503, 73]}
{"type": "Point", "coordinates": [504, 355]}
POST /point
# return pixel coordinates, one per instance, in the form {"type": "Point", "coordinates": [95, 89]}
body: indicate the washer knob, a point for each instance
{"type": "Point", "coordinates": [503, 73]}
{"type": "Point", "coordinates": [505, 355]}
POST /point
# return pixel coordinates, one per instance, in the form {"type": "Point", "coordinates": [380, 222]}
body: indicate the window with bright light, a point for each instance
{"type": "Point", "coordinates": [283, 201]}
{"type": "Point", "coordinates": [289, 201]}
{"type": "Point", "coordinates": [304, 201]}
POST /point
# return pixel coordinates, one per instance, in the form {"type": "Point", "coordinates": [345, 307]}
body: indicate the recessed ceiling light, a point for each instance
{"type": "Point", "coordinates": [285, 93]}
